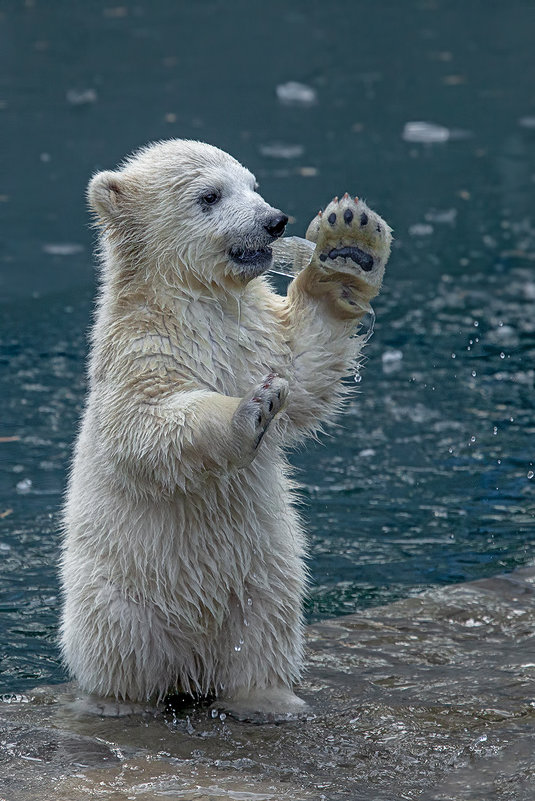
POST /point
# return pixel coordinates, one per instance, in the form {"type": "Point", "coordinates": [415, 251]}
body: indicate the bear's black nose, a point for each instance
{"type": "Point", "coordinates": [276, 225]}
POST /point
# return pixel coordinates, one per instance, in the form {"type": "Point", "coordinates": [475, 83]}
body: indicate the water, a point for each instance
{"type": "Point", "coordinates": [425, 482]}
{"type": "Point", "coordinates": [424, 699]}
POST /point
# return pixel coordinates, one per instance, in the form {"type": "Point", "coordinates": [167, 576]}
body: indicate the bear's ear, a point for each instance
{"type": "Point", "coordinates": [105, 194]}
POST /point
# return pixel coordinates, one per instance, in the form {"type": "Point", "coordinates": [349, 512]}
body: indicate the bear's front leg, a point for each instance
{"type": "Point", "coordinates": [325, 303]}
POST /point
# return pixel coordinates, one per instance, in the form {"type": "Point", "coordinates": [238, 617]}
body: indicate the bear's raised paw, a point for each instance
{"type": "Point", "coordinates": [352, 247]}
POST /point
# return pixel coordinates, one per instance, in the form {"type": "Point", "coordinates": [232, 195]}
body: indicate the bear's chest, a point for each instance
{"type": "Point", "coordinates": [234, 348]}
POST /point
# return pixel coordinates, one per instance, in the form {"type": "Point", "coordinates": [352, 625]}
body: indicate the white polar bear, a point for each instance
{"type": "Point", "coordinates": [183, 567]}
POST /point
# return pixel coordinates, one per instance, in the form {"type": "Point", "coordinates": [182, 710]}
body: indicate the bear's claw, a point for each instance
{"type": "Point", "coordinates": [257, 410]}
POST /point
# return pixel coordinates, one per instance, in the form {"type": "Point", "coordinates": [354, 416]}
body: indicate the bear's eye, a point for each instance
{"type": "Point", "coordinates": [210, 197]}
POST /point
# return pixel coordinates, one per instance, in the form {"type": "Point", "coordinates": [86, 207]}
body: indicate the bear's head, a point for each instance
{"type": "Point", "coordinates": [182, 207]}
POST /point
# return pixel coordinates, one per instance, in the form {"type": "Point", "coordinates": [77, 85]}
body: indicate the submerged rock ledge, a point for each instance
{"type": "Point", "coordinates": [432, 698]}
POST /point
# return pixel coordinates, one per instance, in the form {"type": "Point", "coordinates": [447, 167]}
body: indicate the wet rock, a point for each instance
{"type": "Point", "coordinates": [430, 698]}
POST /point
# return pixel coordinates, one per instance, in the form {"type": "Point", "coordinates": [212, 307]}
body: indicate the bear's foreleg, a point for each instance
{"type": "Point", "coordinates": [325, 303]}
{"type": "Point", "coordinates": [188, 432]}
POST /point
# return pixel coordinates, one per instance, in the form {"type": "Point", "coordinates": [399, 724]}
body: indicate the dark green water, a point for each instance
{"type": "Point", "coordinates": [426, 481]}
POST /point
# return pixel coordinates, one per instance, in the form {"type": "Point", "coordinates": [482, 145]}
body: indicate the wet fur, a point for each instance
{"type": "Point", "coordinates": [183, 566]}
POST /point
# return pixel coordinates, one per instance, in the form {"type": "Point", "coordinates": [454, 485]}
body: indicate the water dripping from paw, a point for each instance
{"type": "Point", "coordinates": [365, 333]}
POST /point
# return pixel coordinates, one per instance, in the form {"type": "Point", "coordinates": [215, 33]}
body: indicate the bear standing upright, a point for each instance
{"type": "Point", "coordinates": [182, 566]}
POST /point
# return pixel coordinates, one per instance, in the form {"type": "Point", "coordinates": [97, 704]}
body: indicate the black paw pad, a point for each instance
{"type": "Point", "coordinates": [348, 216]}
{"type": "Point", "coordinates": [364, 218]}
{"type": "Point", "coordinates": [332, 218]}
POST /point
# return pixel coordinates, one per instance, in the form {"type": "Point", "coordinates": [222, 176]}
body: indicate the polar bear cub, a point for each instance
{"type": "Point", "coordinates": [182, 565]}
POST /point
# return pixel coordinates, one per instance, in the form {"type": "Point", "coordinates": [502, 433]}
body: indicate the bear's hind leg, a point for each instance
{"type": "Point", "coordinates": [261, 652]}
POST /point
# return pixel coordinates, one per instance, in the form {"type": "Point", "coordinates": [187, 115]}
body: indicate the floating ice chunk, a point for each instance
{"type": "Point", "coordinates": [291, 254]}
{"type": "Point", "coordinates": [281, 150]}
{"type": "Point", "coordinates": [431, 133]}
{"type": "Point", "coordinates": [63, 248]}
{"type": "Point", "coordinates": [421, 229]}
{"type": "Point", "coordinates": [391, 360]}
{"type": "Point", "coordinates": [428, 132]}
{"type": "Point", "coordinates": [296, 94]}
{"type": "Point", "coordinates": [442, 216]}
{"type": "Point", "coordinates": [24, 486]}
{"type": "Point", "coordinates": [81, 97]}
{"type": "Point", "coordinates": [503, 335]}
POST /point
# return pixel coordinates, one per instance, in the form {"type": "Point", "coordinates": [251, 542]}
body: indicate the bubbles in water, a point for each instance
{"type": "Point", "coordinates": [472, 438]}
{"type": "Point", "coordinates": [530, 474]}
{"type": "Point", "coordinates": [358, 377]}
{"type": "Point", "coordinates": [24, 486]}
{"type": "Point", "coordinates": [474, 373]}
{"type": "Point", "coordinates": [502, 355]}
{"type": "Point", "coordinates": [215, 713]}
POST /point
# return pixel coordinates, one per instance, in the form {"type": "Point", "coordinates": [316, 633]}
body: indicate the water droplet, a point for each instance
{"type": "Point", "coordinates": [476, 323]}
{"type": "Point", "coordinates": [502, 355]}
{"type": "Point", "coordinates": [245, 622]}
{"type": "Point", "coordinates": [495, 430]}
{"type": "Point", "coordinates": [450, 450]}
{"type": "Point", "coordinates": [472, 438]}
{"type": "Point", "coordinates": [215, 713]}
{"type": "Point", "coordinates": [237, 647]}
{"type": "Point", "coordinates": [499, 461]}
{"type": "Point", "coordinates": [453, 356]}
{"type": "Point", "coordinates": [249, 601]}
{"type": "Point", "coordinates": [474, 373]}
{"type": "Point", "coordinates": [358, 378]}
{"type": "Point", "coordinates": [530, 474]}
{"type": "Point", "coordinates": [222, 716]}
